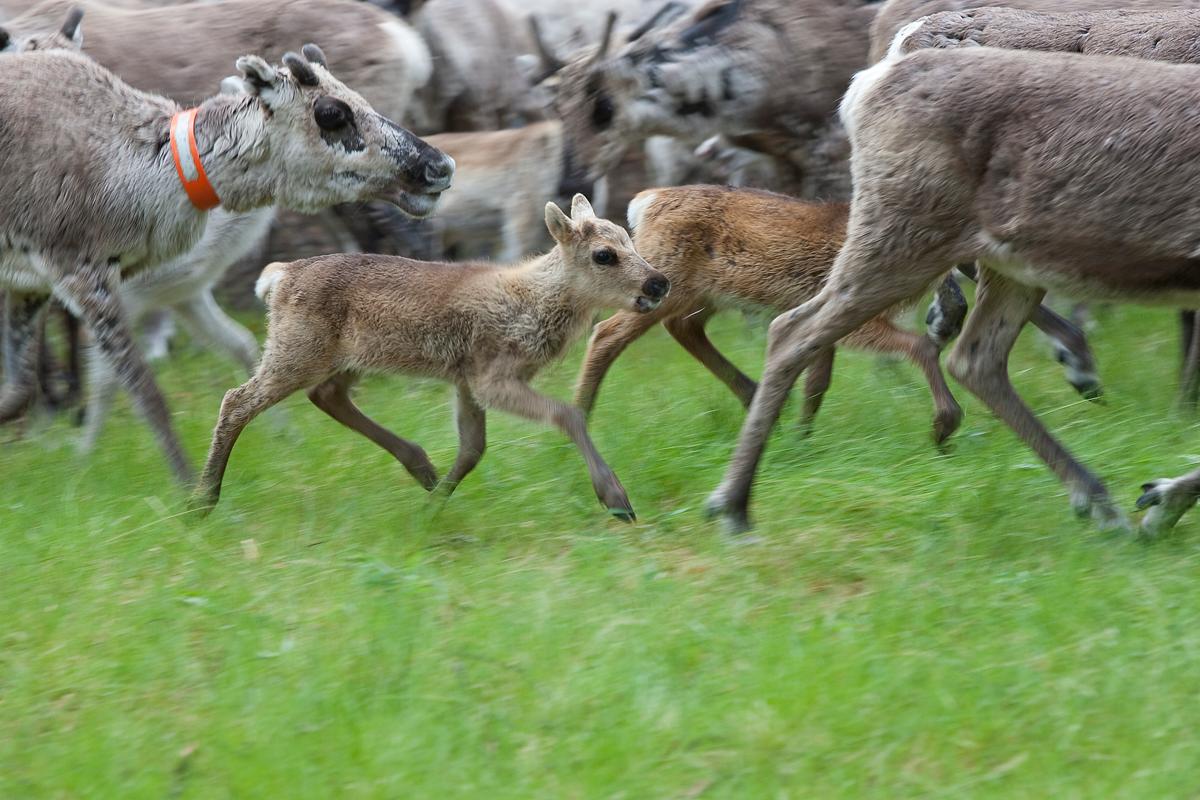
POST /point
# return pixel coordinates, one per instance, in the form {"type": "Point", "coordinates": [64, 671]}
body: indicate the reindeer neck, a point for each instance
{"type": "Point", "coordinates": [230, 139]}
{"type": "Point", "coordinates": [543, 282]}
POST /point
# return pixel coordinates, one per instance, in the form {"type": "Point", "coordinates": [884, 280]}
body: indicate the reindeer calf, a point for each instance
{"type": "Point", "coordinates": [486, 328]}
{"type": "Point", "coordinates": [723, 248]}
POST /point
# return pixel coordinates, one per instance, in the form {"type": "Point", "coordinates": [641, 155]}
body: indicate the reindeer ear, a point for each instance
{"type": "Point", "coordinates": [314, 55]}
{"type": "Point", "coordinates": [257, 72]}
{"type": "Point", "coordinates": [581, 209]}
{"type": "Point", "coordinates": [301, 70]}
{"type": "Point", "coordinates": [558, 223]}
{"type": "Point", "coordinates": [71, 29]}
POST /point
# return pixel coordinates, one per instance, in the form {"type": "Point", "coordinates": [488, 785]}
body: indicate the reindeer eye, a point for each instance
{"type": "Point", "coordinates": [331, 113]}
{"type": "Point", "coordinates": [602, 112]}
{"type": "Point", "coordinates": [604, 257]}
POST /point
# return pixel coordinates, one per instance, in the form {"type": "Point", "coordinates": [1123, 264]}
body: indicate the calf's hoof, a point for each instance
{"type": "Point", "coordinates": [613, 497]}
{"type": "Point", "coordinates": [1164, 500]}
{"type": "Point", "coordinates": [944, 320]}
{"type": "Point", "coordinates": [201, 503]}
{"type": "Point", "coordinates": [945, 422]}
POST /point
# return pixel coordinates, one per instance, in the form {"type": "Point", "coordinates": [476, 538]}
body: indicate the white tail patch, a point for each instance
{"type": "Point", "coordinates": [865, 80]}
{"type": "Point", "coordinates": [637, 207]}
{"type": "Point", "coordinates": [271, 275]}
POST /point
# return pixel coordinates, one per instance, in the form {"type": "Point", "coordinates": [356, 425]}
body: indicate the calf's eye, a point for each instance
{"type": "Point", "coordinates": [604, 257]}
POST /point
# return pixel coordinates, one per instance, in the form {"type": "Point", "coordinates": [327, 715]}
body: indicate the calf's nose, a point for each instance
{"type": "Point", "coordinates": [656, 287]}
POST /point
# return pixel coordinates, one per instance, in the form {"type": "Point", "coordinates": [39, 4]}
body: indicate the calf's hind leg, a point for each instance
{"type": "Point", "coordinates": [688, 330]}
{"type": "Point", "coordinates": [980, 362]}
{"type": "Point", "coordinates": [511, 395]}
{"type": "Point", "coordinates": [881, 336]}
{"type": "Point", "coordinates": [472, 439]}
{"type": "Point", "coordinates": [333, 397]}
{"type": "Point", "coordinates": [241, 405]}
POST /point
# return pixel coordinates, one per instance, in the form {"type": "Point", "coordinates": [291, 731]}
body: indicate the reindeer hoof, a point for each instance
{"type": "Point", "coordinates": [624, 514]}
{"type": "Point", "coordinates": [1165, 500]}
{"type": "Point", "coordinates": [944, 320]}
{"type": "Point", "coordinates": [734, 521]}
{"type": "Point", "coordinates": [945, 423]}
{"type": "Point", "coordinates": [201, 504]}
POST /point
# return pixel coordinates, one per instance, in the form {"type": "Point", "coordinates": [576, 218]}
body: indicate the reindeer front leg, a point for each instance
{"type": "Point", "coordinates": [516, 397]}
{"type": "Point", "coordinates": [89, 292]}
{"type": "Point", "coordinates": [23, 323]}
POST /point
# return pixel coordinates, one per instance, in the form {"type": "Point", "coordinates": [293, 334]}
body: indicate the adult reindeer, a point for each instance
{"type": "Point", "coordinates": [1159, 35]}
{"type": "Point", "coordinates": [101, 180]}
{"type": "Point", "coordinates": [1053, 172]}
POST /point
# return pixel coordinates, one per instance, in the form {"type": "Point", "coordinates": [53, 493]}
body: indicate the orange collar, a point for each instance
{"type": "Point", "coordinates": [187, 161]}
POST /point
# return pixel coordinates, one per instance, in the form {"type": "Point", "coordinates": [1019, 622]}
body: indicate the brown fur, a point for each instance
{"type": "Point", "coordinates": [726, 248]}
{"type": "Point", "coordinates": [488, 329]}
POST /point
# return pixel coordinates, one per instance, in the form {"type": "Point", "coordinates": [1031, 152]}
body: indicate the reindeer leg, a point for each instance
{"type": "Point", "coordinates": [24, 317]}
{"type": "Point", "coordinates": [1167, 500]}
{"type": "Point", "coordinates": [980, 362]}
{"type": "Point", "coordinates": [333, 397]}
{"type": "Point", "coordinates": [609, 340]}
{"type": "Point", "coordinates": [848, 300]}
{"type": "Point", "coordinates": [816, 382]}
{"type": "Point", "coordinates": [1071, 348]}
{"type": "Point", "coordinates": [882, 336]}
{"type": "Point", "coordinates": [688, 330]}
{"type": "Point", "coordinates": [472, 440]}
{"type": "Point", "coordinates": [88, 291]}
{"type": "Point", "coordinates": [101, 392]}
{"type": "Point", "coordinates": [267, 387]}
{"type": "Point", "coordinates": [509, 394]}
{"type": "Point", "coordinates": [1189, 374]}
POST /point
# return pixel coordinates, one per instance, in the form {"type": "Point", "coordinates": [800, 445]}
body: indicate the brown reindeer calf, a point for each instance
{"type": "Point", "coordinates": [486, 328]}
{"type": "Point", "coordinates": [726, 248]}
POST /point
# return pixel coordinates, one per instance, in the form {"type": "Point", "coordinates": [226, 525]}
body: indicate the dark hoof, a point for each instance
{"type": "Point", "coordinates": [1089, 391]}
{"type": "Point", "coordinates": [201, 505]}
{"type": "Point", "coordinates": [624, 514]}
{"type": "Point", "coordinates": [944, 425]}
{"type": "Point", "coordinates": [1151, 496]}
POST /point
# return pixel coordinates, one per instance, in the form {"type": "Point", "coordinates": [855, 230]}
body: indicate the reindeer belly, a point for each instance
{"type": "Point", "coordinates": [1100, 271]}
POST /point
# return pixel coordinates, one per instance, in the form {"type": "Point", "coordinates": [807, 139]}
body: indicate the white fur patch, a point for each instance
{"type": "Point", "coordinates": [864, 80]}
{"type": "Point", "coordinates": [637, 207]}
{"type": "Point", "coordinates": [410, 45]}
{"type": "Point", "coordinates": [896, 49]}
{"type": "Point", "coordinates": [271, 275]}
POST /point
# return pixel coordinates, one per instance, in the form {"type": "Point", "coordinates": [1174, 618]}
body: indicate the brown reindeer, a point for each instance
{"type": "Point", "coordinates": [486, 328]}
{"type": "Point", "coordinates": [727, 248]}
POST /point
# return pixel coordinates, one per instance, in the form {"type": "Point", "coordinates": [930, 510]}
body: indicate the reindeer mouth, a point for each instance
{"type": "Point", "coordinates": [645, 304]}
{"type": "Point", "coordinates": [417, 205]}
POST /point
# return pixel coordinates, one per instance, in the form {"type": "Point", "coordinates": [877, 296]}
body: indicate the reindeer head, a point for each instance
{"type": "Point", "coordinates": [68, 37]}
{"type": "Point", "coordinates": [323, 143]}
{"type": "Point", "coordinates": [600, 261]}
{"type": "Point", "coordinates": [609, 102]}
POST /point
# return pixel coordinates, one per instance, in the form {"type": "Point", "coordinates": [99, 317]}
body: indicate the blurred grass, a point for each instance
{"type": "Point", "coordinates": [913, 624]}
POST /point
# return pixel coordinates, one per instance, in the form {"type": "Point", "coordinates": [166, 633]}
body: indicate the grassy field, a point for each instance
{"type": "Point", "coordinates": [911, 624]}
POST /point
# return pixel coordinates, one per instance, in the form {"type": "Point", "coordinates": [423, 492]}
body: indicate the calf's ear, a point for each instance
{"type": "Point", "coordinates": [558, 223]}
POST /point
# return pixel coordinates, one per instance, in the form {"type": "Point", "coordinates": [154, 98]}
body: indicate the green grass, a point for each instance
{"type": "Point", "coordinates": [912, 624]}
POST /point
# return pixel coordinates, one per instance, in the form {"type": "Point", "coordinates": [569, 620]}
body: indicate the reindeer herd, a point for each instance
{"type": "Point", "coordinates": [1044, 146]}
